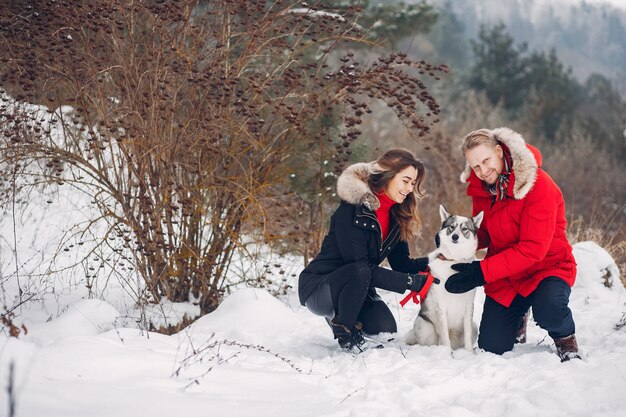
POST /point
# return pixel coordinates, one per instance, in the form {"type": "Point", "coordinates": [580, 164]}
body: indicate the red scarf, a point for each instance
{"type": "Point", "coordinates": [383, 214]}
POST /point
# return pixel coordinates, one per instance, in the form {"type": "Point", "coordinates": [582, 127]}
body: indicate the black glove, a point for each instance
{"type": "Point", "coordinates": [415, 282]}
{"type": "Point", "coordinates": [469, 277]}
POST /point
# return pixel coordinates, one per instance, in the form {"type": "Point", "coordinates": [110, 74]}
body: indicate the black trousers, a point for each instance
{"type": "Point", "coordinates": [349, 293]}
{"type": "Point", "coordinates": [499, 324]}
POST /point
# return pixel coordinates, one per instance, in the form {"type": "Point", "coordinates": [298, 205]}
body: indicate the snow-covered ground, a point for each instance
{"type": "Point", "coordinates": [257, 355]}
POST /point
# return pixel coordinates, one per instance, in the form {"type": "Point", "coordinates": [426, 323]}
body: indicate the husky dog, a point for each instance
{"type": "Point", "coordinates": [445, 318]}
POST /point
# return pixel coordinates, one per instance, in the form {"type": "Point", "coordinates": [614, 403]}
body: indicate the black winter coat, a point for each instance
{"type": "Point", "coordinates": [355, 236]}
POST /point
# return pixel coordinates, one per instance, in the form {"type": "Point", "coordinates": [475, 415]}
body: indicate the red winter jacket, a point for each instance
{"type": "Point", "coordinates": [525, 232]}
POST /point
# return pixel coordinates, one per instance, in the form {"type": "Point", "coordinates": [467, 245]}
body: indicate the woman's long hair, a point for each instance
{"type": "Point", "coordinates": [387, 166]}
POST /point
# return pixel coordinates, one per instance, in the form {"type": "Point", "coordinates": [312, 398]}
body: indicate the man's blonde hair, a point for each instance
{"type": "Point", "coordinates": [478, 137]}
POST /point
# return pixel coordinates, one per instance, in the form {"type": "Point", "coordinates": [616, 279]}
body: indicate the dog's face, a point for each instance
{"type": "Point", "coordinates": [457, 239]}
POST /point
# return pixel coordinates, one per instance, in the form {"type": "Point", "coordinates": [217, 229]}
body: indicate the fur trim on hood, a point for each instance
{"type": "Point", "coordinates": [525, 163]}
{"type": "Point", "coordinates": [352, 185]}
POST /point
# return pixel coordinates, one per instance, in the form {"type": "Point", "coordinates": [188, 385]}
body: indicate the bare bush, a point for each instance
{"type": "Point", "coordinates": [183, 119]}
{"type": "Point", "coordinates": [212, 353]}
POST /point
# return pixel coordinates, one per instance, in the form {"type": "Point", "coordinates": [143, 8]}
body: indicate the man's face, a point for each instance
{"type": "Point", "coordinates": [486, 162]}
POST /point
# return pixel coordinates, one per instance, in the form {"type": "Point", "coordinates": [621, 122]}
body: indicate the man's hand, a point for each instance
{"type": "Point", "coordinates": [470, 276]}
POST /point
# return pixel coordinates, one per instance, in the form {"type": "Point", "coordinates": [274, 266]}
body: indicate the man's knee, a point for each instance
{"type": "Point", "coordinates": [495, 343]}
{"type": "Point", "coordinates": [550, 306]}
{"type": "Point", "coordinates": [549, 314]}
{"type": "Point", "coordinates": [497, 328]}
{"type": "Point", "coordinates": [554, 318]}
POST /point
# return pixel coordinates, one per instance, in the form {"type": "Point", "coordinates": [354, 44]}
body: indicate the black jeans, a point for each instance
{"type": "Point", "coordinates": [348, 293]}
{"type": "Point", "coordinates": [499, 324]}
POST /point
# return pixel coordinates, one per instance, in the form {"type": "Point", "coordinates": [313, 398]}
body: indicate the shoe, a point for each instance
{"type": "Point", "coordinates": [348, 338]}
{"type": "Point", "coordinates": [521, 332]}
{"type": "Point", "coordinates": [567, 348]}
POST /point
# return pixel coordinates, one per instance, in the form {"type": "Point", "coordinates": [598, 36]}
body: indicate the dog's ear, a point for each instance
{"type": "Point", "coordinates": [478, 219]}
{"type": "Point", "coordinates": [437, 240]}
{"type": "Point", "coordinates": [443, 213]}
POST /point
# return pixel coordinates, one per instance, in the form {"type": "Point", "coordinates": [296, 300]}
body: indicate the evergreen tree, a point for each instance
{"type": "Point", "coordinates": [603, 112]}
{"type": "Point", "coordinates": [498, 68]}
{"type": "Point", "coordinates": [557, 93]}
{"type": "Point", "coordinates": [534, 87]}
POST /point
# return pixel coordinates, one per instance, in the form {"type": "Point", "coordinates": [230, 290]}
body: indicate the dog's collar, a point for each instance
{"type": "Point", "coordinates": [443, 258]}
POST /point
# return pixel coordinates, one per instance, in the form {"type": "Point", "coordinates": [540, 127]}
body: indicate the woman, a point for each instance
{"type": "Point", "coordinates": [376, 218]}
{"type": "Point", "coordinates": [529, 262]}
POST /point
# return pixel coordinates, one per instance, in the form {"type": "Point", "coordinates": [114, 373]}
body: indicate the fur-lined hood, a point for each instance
{"type": "Point", "coordinates": [352, 186]}
{"type": "Point", "coordinates": [526, 162]}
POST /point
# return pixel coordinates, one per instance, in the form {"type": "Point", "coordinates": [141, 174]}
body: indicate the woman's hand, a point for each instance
{"type": "Point", "coordinates": [422, 263]}
{"type": "Point", "coordinates": [470, 276]}
{"type": "Point", "coordinates": [419, 285]}
{"type": "Point", "coordinates": [416, 282]}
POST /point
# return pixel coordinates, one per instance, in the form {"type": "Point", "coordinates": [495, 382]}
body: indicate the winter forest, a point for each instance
{"type": "Point", "coordinates": [168, 168]}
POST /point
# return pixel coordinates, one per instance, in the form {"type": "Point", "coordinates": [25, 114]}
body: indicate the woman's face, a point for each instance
{"type": "Point", "coordinates": [402, 184]}
{"type": "Point", "coordinates": [486, 162]}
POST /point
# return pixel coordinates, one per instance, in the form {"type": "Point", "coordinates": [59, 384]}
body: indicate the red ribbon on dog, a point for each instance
{"type": "Point", "coordinates": [422, 294]}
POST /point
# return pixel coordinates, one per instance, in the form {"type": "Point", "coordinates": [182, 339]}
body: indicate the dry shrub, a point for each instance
{"type": "Point", "coordinates": [171, 329]}
{"type": "Point", "coordinates": [187, 117]}
{"type": "Point", "coordinates": [592, 181]}
{"type": "Point", "coordinates": [590, 177]}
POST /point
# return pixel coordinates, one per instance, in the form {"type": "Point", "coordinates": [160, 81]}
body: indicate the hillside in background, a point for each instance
{"type": "Point", "coordinates": [589, 37]}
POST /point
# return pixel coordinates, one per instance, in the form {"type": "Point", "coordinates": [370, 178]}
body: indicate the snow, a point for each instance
{"type": "Point", "coordinates": [82, 318]}
{"type": "Point", "coordinates": [316, 13]}
{"type": "Point", "coordinates": [263, 356]}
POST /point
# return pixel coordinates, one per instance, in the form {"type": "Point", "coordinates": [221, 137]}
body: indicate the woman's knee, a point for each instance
{"type": "Point", "coordinates": [377, 318]}
{"type": "Point", "coordinates": [320, 302]}
{"type": "Point", "coordinates": [386, 324]}
{"type": "Point", "coordinates": [348, 286]}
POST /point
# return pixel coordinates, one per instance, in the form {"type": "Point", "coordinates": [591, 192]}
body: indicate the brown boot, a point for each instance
{"type": "Point", "coordinates": [567, 348]}
{"type": "Point", "coordinates": [521, 332]}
